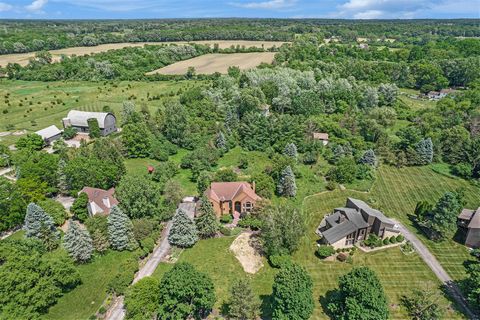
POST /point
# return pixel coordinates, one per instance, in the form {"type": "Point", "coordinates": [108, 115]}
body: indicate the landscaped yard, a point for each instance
{"type": "Point", "coordinates": [85, 299]}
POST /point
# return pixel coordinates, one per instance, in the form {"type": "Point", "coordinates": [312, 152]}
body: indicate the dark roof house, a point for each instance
{"type": "Point", "coordinates": [354, 222]}
{"type": "Point", "coordinates": [470, 221]}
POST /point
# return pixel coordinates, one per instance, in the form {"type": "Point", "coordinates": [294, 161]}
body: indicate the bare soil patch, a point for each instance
{"type": "Point", "coordinates": [217, 62]}
{"type": "Point", "coordinates": [246, 249]}
{"type": "Point", "coordinates": [22, 58]}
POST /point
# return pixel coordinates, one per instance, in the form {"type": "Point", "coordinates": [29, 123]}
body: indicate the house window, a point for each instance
{"type": "Point", "coordinates": [248, 206]}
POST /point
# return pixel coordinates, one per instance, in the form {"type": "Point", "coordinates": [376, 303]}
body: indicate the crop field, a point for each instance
{"type": "Point", "coordinates": [23, 58]}
{"type": "Point", "coordinates": [217, 62]}
{"type": "Point", "coordinates": [31, 106]}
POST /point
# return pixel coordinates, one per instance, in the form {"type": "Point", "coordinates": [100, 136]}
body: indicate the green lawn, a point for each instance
{"type": "Point", "coordinates": [37, 101]}
{"type": "Point", "coordinates": [86, 298]}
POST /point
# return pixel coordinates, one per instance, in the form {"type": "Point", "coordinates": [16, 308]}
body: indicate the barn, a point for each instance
{"type": "Point", "coordinates": [79, 120]}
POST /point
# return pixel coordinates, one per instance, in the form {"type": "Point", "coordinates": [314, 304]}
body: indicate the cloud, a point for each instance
{"type": "Point", "coordinates": [116, 5]}
{"type": "Point", "coordinates": [5, 6]}
{"type": "Point", "coordinates": [270, 5]}
{"type": "Point", "coordinates": [388, 9]}
{"type": "Point", "coordinates": [36, 5]}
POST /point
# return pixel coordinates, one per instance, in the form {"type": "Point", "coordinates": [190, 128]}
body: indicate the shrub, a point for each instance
{"type": "Point", "coordinates": [279, 261]}
{"type": "Point", "coordinates": [225, 231]}
{"type": "Point", "coordinates": [148, 244]}
{"type": "Point", "coordinates": [400, 238]}
{"type": "Point", "coordinates": [342, 257]}
{"type": "Point", "coordinates": [124, 277]}
{"type": "Point", "coordinates": [250, 222]}
{"type": "Point", "coordinates": [331, 185]}
{"type": "Point", "coordinates": [373, 241]}
{"type": "Point", "coordinates": [226, 218]}
{"type": "Point", "coordinates": [325, 251]}
{"type": "Point", "coordinates": [393, 239]}
{"type": "Point", "coordinates": [386, 241]}
{"type": "Point", "coordinates": [338, 250]}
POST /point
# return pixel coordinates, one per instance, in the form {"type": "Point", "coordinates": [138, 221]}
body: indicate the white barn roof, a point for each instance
{"type": "Point", "coordinates": [49, 132]}
{"type": "Point", "coordinates": [80, 118]}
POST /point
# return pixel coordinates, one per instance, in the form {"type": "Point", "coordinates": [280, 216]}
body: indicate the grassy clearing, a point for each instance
{"type": "Point", "coordinates": [217, 62]}
{"type": "Point", "coordinates": [86, 298]}
{"type": "Point", "coordinates": [36, 105]}
{"type": "Point", "coordinates": [397, 192]}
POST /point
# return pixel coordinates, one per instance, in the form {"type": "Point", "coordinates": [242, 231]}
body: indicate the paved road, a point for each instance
{"type": "Point", "coordinates": [441, 274]}
{"type": "Point", "coordinates": [117, 312]}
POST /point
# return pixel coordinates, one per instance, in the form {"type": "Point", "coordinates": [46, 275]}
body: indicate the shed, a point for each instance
{"type": "Point", "coordinates": [50, 134]}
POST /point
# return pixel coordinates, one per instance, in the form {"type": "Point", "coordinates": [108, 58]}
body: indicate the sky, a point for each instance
{"type": "Point", "coordinates": [135, 9]}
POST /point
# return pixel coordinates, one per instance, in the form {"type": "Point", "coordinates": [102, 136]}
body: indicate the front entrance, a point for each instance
{"type": "Point", "coordinates": [238, 206]}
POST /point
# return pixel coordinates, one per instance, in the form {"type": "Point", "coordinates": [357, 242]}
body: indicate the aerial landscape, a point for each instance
{"type": "Point", "coordinates": [245, 160]}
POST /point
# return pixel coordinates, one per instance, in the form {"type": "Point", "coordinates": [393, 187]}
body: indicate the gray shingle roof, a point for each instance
{"type": "Point", "coordinates": [339, 231]}
{"type": "Point", "coordinates": [370, 211]}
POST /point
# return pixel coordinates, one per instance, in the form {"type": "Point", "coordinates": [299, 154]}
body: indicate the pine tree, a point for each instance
{"type": "Point", "coordinates": [244, 303]}
{"type": "Point", "coordinates": [120, 230]}
{"type": "Point", "coordinates": [183, 232]}
{"type": "Point", "coordinates": [78, 243]}
{"type": "Point", "coordinates": [62, 178]}
{"type": "Point", "coordinates": [291, 151]}
{"type": "Point", "coordinates": [40, 225]}
{"type": "Point", "coordinates": [221, 142]}
{"type": "Point", "coordinates": [369, 158]}
{"type": "Point", "coordinates": [206, 222]}
{"type": "Point", "coordinates": [424, 149]}
{"type": "Point", "coordinates": [287, 186]}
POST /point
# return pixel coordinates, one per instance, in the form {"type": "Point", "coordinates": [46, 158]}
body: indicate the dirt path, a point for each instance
{"type": "Point", "coordinates": [435, 266]}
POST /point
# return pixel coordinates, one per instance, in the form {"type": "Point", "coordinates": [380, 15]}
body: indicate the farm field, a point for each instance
{"type": "Point", "coordinates": [31, 105]}
{"type": "Point", "coordinates": [217, 62]}
{"type": "Point", "coordinates": [23, 58]}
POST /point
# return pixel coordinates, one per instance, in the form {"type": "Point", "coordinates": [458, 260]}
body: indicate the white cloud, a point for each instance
{"type": "Point", "coordinates": [36, 5]}
{"type": "Point", "coordinates": [272, 4]}
{"type": "Point", "coordinates": [5, 6]}
{"type": "Point", "coordinates": [388, 9]}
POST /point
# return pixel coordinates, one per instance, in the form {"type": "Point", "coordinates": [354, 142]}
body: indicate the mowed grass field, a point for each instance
{"type": "Point", "coordinates": [31, 105]}
{"type": "Point", "coordinates": [217, 62]}
{"type": "Point", "coordinates": [23, 58]}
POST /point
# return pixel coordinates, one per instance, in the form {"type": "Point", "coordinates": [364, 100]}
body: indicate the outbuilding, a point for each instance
{"type": "Point", "coordinates": [50, 134]}
{"type": "Point", "coordinates": [79, 120]}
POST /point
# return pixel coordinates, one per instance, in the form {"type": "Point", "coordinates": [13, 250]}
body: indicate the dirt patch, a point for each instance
{"type": "Point", "coordinates": [23, 58]}
{"type": "Point", "coordinates": [217, 62]}
{"type": "Point", "coordinates": [246, 250]}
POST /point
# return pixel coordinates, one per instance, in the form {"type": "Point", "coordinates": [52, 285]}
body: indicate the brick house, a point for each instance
{"type": "Point", "coordinates": [232, 197]}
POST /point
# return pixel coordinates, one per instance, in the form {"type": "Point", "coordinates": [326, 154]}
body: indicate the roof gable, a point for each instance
{"type": "Point", "coordinates": [49, 132]}
{"type": "Point", "coordinates": [227, 191]}
{"type": "Point", "coordinates": [97, 197]}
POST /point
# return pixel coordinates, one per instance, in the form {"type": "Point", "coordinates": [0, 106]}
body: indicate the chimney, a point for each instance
{"type": "Point", "coordinates": [106, 201]}
{"type": "Point", "coordinates": [253, 186]}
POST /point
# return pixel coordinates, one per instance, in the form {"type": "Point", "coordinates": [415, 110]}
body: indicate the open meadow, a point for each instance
{"type": "Point", "coordinates": [217, 62]}
{"type": "Point", "coordinates": [23, 58]}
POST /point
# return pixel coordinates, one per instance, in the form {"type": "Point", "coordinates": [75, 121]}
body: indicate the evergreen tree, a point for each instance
{"type": "Point", "coordinates": [203, 181]}
{"type": "Point", "coordinates": [79, 207]}
{"type": "Point", "coordinates": [221, 142]}
{"type": "Point", "coordinates": [424, 150]}
{"type": "Point", "coordinates": [292, 294]}
{"type": "Point", "coordinates": [62, 178]}
{"type": "Point", "coordinates": [442, 223]}
{"type": "Point", "coordinates": [291, 151]}
{"type": "Point", "coordinates": [120, 230]}
{"type": "Point", "coordinates": [40, 225]}
{"type": "Point", "coordinates": [183, 232]}
{"type": "Point", "coordinates": [206, 222]}
{"type": "Point", "coordinates": [286, 185]}
{"type": "Point", "coordinates": [243, 303]}
{"type": "Point", "coordinates": [423, 304]}
{"type": "Point", "coordinates": [78, 243]}
{"type": "Point", "coordinates": [369, 158]}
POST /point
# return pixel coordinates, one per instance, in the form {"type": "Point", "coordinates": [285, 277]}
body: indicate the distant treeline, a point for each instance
{"type": "Point", "coordinates": [29, 35]}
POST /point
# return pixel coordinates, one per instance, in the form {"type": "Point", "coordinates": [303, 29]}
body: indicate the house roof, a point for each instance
{"type": "Point", "coordinates": [225, 191]}
{"type": "Point", "coordinates": [80, 118]}
{"type": "Point", "coordinates": [370, 211]}
{"type": "Point", "coordinates": [49, 132]}
{"type": "Point", "coordinates": [320, 136]}
{"type": "Point", "coordinates": [96, 196]}
{"type": "Point", "coordinates": [475, 221]}
{"type": "Point", "coordinates": [339, 231]}
{"type": "Point", "coordinates": [466, 214]}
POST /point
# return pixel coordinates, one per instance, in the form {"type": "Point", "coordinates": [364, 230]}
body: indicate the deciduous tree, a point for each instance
{"type": "Point", "coordinates": [243, 303]}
